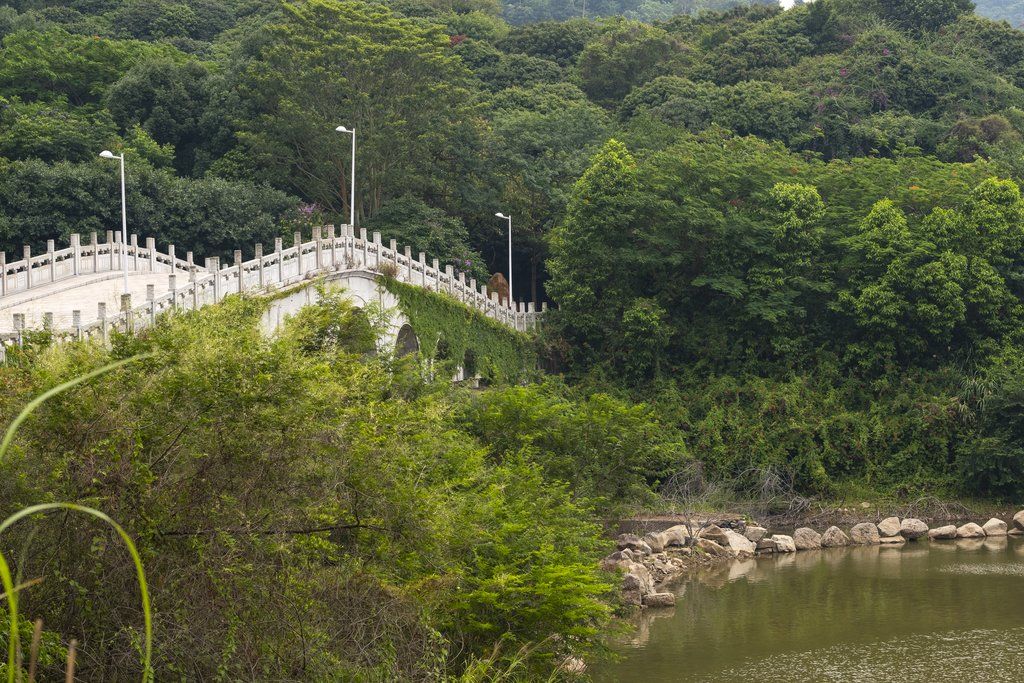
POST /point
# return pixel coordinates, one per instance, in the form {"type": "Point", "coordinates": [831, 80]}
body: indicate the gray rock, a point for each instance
{"type": "Point", "coordinates": [784, 544]}
{"type": "Point", "coordinates": [677, 535]}
{"type": "Point", "coordinates": [765, 545]}
{"type": "Point", "coordinates": [970, 530]}
{"type": "Point", "coordinates": [943, 533]}
{"type": "Point", "coordinates": [656, 542]}
{"type": "Point", "coordinates": [633, 542]}
{"type": "Point", "coordinates": [865, 533]}
{"type": "Point", "coordinates": [889, 527]}
{"type": "Point", "coordinates": [632, 597]}
{"type": "Point", "coordinates": [891, 540]}
{"type": "Point", "coordinates": [659, 600]}
{"type": "Point", "coordinates": [834, 538]}
{"type": "Point", "coordinates": [1018, 521]}
{"type": "Point", "coordinates": [737, 544]}
{"type": "Point", "coordinates": [912, 529]}
{"type": "Point", "coordinates": [994, 527]}
{"type": "Point", "coordinates": [638, 577]}
{"type": "Point", "coordinates": [806, 539]}
{"type": "Point", "coordinates": [712, 548]}
{"type": "Point", "coordinates": [715, 533]}
{"type": "Point", "coordinates": [755, 533]}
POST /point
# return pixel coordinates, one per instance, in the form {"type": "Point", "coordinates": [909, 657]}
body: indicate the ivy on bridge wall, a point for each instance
{"type": "Point", "coordinates": [450, 332]}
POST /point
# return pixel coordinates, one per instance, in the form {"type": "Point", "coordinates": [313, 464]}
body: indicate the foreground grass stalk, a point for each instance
{"type": "Point", "coordinates": [5, 571]}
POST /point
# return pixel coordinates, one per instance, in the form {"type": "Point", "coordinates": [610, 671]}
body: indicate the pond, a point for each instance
{"type": "Point", "coordinates": [927, 611]}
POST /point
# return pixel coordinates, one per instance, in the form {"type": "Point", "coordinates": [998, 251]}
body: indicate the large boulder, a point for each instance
{"type": "Point", "coordinates": [755, 533]}
{"type": "Point", "coordinates": [889, 527]}
{"type": "Point", "coordinates": [970, 530]}
{"type": "Point", "coordinates": [676, 535]}
{"type": "Point", "coordinates": [913, 529]}
{"type": "Point", "coordinates": [738, 545]}
{"type": "Point", "coordinates": [943, 533]}
{"type": "Point", "coordinates": [656, 541]}
{"type": "Point", "coordinates": [659, 600]}
{"type": "Point", "coordinates": [806, 539]}
{"type": "Point", "coordinates": [994, 527]}
{"type": "Point", "coordinates": [784, 544]}
{"type": "Point", "coordinates": [633, 542]}
{"type": "Point", "coordinates": [712, 548]}
{"type": "Point", "coordinates": [834, 538]}
{"type": "Point", "coordinates": [892, 540]}
{"type": "Point", "coordinates": [1018, 521]}
{"type": "Point", "coordinates": [865, 533]}
{"type": "Point", "coordinates": [715, 533]}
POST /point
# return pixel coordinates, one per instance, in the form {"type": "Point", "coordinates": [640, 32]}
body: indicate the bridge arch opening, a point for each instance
{"type": "Point", "coordinates": [406, 343]}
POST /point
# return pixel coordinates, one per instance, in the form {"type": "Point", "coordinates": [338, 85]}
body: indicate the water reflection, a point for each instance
{"type": "Point", "coordinates": [840, 615]}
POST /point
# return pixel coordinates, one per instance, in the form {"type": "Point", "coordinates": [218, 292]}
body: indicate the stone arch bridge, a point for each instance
{"type": "Point", "coordinates": [78, 292]}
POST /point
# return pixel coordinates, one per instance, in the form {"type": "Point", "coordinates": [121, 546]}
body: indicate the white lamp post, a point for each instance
{"type": "Point", "coordinates": [509, 219]}
{"type": "Point", "coordinates": [352, 192]}
{"type": "Point", "coordinates": [107, 154]}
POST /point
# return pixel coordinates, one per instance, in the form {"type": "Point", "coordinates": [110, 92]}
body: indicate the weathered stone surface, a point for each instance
{"type": "Point", "coordinates": [889, 527]}
{"type": "Point", "coordinates": [1015, 532]}
{"type": "Point", "coordinates": [891, 540]}
{"type": "Point", "coordinates": [659, 600]}
{"type": "Point", "coordinates": [912, 529]}
{"type": "Point", "coordinates": [632, 597]}
{"type": "Point", "coordinates": [712, 548]}
{"type": "Point", "coordinates": [633, 542]}
{"type": "Point", "coordinates": [1018, 520]}
{"type": "Point", "coordinates": [737, 544]}
{"type": "Point", "coordinates": [638, 577]}
{"type": "Point", "coordinates": [755, 533]}
{"type": "Point", "coordinates": [784, 544]}
{"type": "Point", "coordinates": [834, 538]}
{"type": "Point", "coordinates": [715, 533]}
{"type": "Point", "coordinates": [994, 527]}
{"type": "Point", "coordinates": [970, 530]}
{"type": "Point", "coordinates": [943, 533]}
{"type": "Point", "coordinates": [765, 545]}
{"type": "Point", "coordinates": [806, 539]}
{"type": "Point", "coordinates": [865, 533]}
{"type": "Point", "coordinates": [676, 535]}
{"type": "Point", "coordinates": [655, 540]}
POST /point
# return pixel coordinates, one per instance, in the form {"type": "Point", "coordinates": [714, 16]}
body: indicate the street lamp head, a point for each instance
{"type": "Point", "coordinates": [501, 215]}
{"type": "Point", "coordinates": [343, 129]}
{"type": "Point", "coordinates": [107, 154]}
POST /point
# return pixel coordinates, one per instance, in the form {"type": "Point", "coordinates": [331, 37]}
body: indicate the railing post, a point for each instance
{"type": "Point", "coordinates": [126, 309]}
{"type": "Point", "coordinates": [135, 253]}
{"type": "Point", "coordinates": [110, 251]}
{"type": "Point", "coordinates": [48, 321]}
{"type": "Point", "coordinates": [317, 248]}
{"type": "Point", "coordinates": [27, 255]}
{"type": "Point", "coordinates": [408, 262]}
{"type": "Point", "coordinates": [76, 323]}
{"type": "Point", "coordinates": [259, 261]}
{"type": "Point", "coordinates": [190, 260]}
{"type": "Point", "coordinates": [366, 248]}
{"type": "Point", "coordinates": [238, 268]}
{"type": "Point", "coordinates": [53, 260]}
{"type": "Point", "coordinates": [76, 254]}
{"type": "Point", "coordinates": [172, 257]}
{"type": "Point", "coordinates": [172, 286]}
{"type": "Point", "coordinates": [101, 315]}
{"type": "Point", "coordinates": [150, 298]}
{"type": "Point", "coordinates": [19, 326]}
{"type": "Point", "coordinates": [297, 239]}
{"type": "Point", "coordinates": [279, 250]}
{"type": "Point", "coordinates": [449, 272]}
{"type": "Point", "coordinates": [423, 269]}
{"type": "Point", "coordinates": [95, 241]}
{"type": "Point", "coordinates": [330, 243]}
{"type": "Point", "coordinates": [213, 265]}
{"type": "Point", "coordinates": [3, 273]}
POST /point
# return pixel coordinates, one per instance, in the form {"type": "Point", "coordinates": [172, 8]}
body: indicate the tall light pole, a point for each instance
{"type": "Point", "coordinates": [509, 219]}
{"type": "Point", "coordinates": [352, 192]}
{"type": "Point", "coordinates": [107, 154]}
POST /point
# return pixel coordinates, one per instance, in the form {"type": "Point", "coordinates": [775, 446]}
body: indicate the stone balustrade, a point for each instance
{"type": "Point", "coordinates": [191, 286]}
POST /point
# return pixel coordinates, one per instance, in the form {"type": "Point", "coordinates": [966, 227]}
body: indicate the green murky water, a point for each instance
{"type": "Point", "coordinates": [928, 612]}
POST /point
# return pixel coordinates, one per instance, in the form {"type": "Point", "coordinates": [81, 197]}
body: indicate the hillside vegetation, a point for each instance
{"type": "Point", "coordinates": [784, 251]}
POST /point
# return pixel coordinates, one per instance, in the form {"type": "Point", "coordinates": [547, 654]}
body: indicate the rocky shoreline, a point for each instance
{"type": "Point", "coordinates": [650, 562]}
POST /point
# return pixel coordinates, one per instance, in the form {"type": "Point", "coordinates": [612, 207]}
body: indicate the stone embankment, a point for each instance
{"type": "Point", "coordinates": [648, 563]}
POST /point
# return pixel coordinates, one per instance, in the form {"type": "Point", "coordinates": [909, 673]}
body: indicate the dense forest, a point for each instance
{"type": "Point", "coordinates": [782, 247]}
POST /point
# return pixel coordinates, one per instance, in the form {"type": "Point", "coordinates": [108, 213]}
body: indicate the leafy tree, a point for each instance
{"type": "Point", "coordinates": [625, 55]}
{"type": "Point", "coordinates": [53, 131]}
{"type": "Point", "coordinates": [320, 67]}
